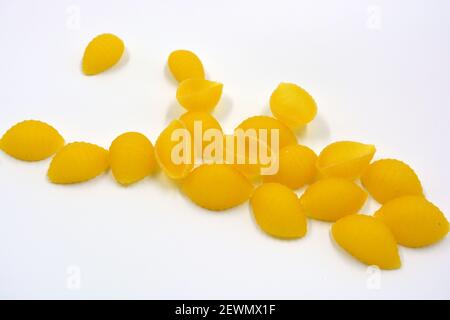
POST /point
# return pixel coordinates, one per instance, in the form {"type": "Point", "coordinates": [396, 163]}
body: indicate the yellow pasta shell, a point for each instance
{"type": "Point", "coordinates": [217, 187]}
{"type": "Point", "coordinates": [31, 140]}
{"type": "Point", "coordinates": [292, 105]}
{"type": "Point", "coordinates": [205, 119]}
{"type": "Point", "coordinates": [414, 221]}
{"type": "Point", "coordinates": [78, 162]}
{"type": "Point", "coordinates": [330, 199]}
{"type": "Point", "coordinates": [164, 147]}
{"type": "Point", "coordinates": [132, 158]}
{"type": "Point", "coordinates": [387, 179]}
{"type": "Point", "coordinates": [242, 161]}
{"type": "Point", "coordinates": [345, 159]}
{"type": "Point", "coordinates": [286, 136]}
{"type": "Point", "coordinates": [278, 212]}
{"type": "Point", "coordinates": [297, 167]}
{"type": "Point", "coordinates": [197, 94]}
{"type": "Point", "coordinates": [200, 120]}
{"type": "Point", "coordinates": [103, 52]}
{"type": "Point", "coordinates": [231, 155]}
{"type": "Point", "coordinates": [184, 65]}
{"type": "Point", "coordinates": [368, 240]}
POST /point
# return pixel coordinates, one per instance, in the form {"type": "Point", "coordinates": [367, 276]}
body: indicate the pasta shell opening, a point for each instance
{"type": "Point", "coordinates": [196, 94]}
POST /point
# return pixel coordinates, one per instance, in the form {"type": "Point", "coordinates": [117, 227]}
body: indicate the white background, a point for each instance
{"type": "Point", "coordinates": [379, 70]}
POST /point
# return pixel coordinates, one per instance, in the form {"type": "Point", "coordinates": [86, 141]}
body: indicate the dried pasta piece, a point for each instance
{"type": "Point", "coordinates": [103, 52]}
{"type": "Point", "coordinates": [286, 136]}
{"type": "Point", "coordinates": [31, 140]}
{"type": "Point", "coordinates": [197, 94]}
{"type": "Point", "coordinates": [414, 221]}
{"type": "Point", "coordinates": [217, 187]}
{"type": "Point", "coordinates": [292, 105]}
{"type": "Point", "coordinates": [330, 199]}
{"type": "Point", "coordinates": [184, 65]}
{"type": "Point", "coordinates": [345, 159]}
{"type": "Point", "coordinates": [387, 179]}
{"type": "Point", "coordinates": [78, 162]}
{"type": "Point", "coordinates": [132, 158]}
{"type": "Point", "coordinates": [176, 163]}
{"type": "Point", "coordinates": [278, 212]}
{"type": "Point", "coordinates": [297, 167]}
{"type": "Point", "coordinates": [240, 158]}
{"type": "Point", "coordinates": [206, 120]}
{"type": "Point", "coordinates": [368, 240]}
{"type": "Point", "coordinates": [198, 123]}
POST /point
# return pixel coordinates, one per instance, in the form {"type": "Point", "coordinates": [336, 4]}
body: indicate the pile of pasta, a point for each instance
{"type": "Point", "coordinates": [337, 181]}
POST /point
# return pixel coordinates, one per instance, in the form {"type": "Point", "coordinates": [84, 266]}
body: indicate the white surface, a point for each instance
{"type": "Point", "coordinates": [379, 70]}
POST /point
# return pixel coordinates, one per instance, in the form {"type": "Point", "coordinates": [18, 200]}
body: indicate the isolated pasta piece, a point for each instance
{"type": "Point", "coordinates": [278, 212]}
{"type": "Point", "coordinates": [132, 158]}
{"type": "Point", "coordinates": [173, 150]}
{"type": "Point", "coordinates": [31, 140]}
{"type": "Point", "coordinates": [292, 105]}
{"type": "Point", "coordinates": [330, 199]}
{"type": "Point", "coordinates": [414, 221]}
{"type": "Point", "coordinates": [184, 65]}
{"type": "Point", "coordinates": [78, 162]}
{"type": "Point", "coordinates": [368, 240]}
{"type": "Point", "coordinates": [103, 52]}
{"type": "Point", "coordinates": [217, 187]}
{"type": "Point", "coordinates": [387, 179]}
{"type": "Point", "coordinates": [345, 159]}
{"type": "Point", "coordinates": [267, 124]}
{"type": "Point", "coordinates": [297, 167]}
{"type": "Point", "coordinates": [197, 94]}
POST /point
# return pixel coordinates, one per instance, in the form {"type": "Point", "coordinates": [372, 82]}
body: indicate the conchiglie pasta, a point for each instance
{"type": "Point", "coordinates": [388, 179]}
{"type": "Point", "coordinates": [203, 119]}
{"type": "Point", "coordinates": [368, 240]}
{"type": "Point", "coordinates": [78, 162]}
{"type": "Point", "coordinates": [297, 167]}
{"type": "Point", "coordinates": [292, 105]}
{"type": "Point", "coordinates": [257, 123]}
{"type": "Point", "coordinates": [278, 212]}
{"type": "Point", "coordinates": [414, 221]}
{"type": "Point", "coordinates": [184, 65]}
{"type": "Point", "coordinates": [31, 140]}
{"type": "Point", "coordinates": [198, 94]}
{"type": "Point", "coordinates": [132, 158]}
{"type": "Point", "coordinates": [103, 52]}
{"type": "Point", "coordinates": [198, 123]}
{"type": "Point", "coordinates": [249, 155]}
{"type": "Point", "coordinates": [240, 158]}
{"type": "Point", "coordinates": [173, 150]}
{"type": "Point", "coordinates": [217, 187]}
{"type": "Point", "coordinates": [345, 159]}
{"type": "Point", "coordinates": [330, 199]}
